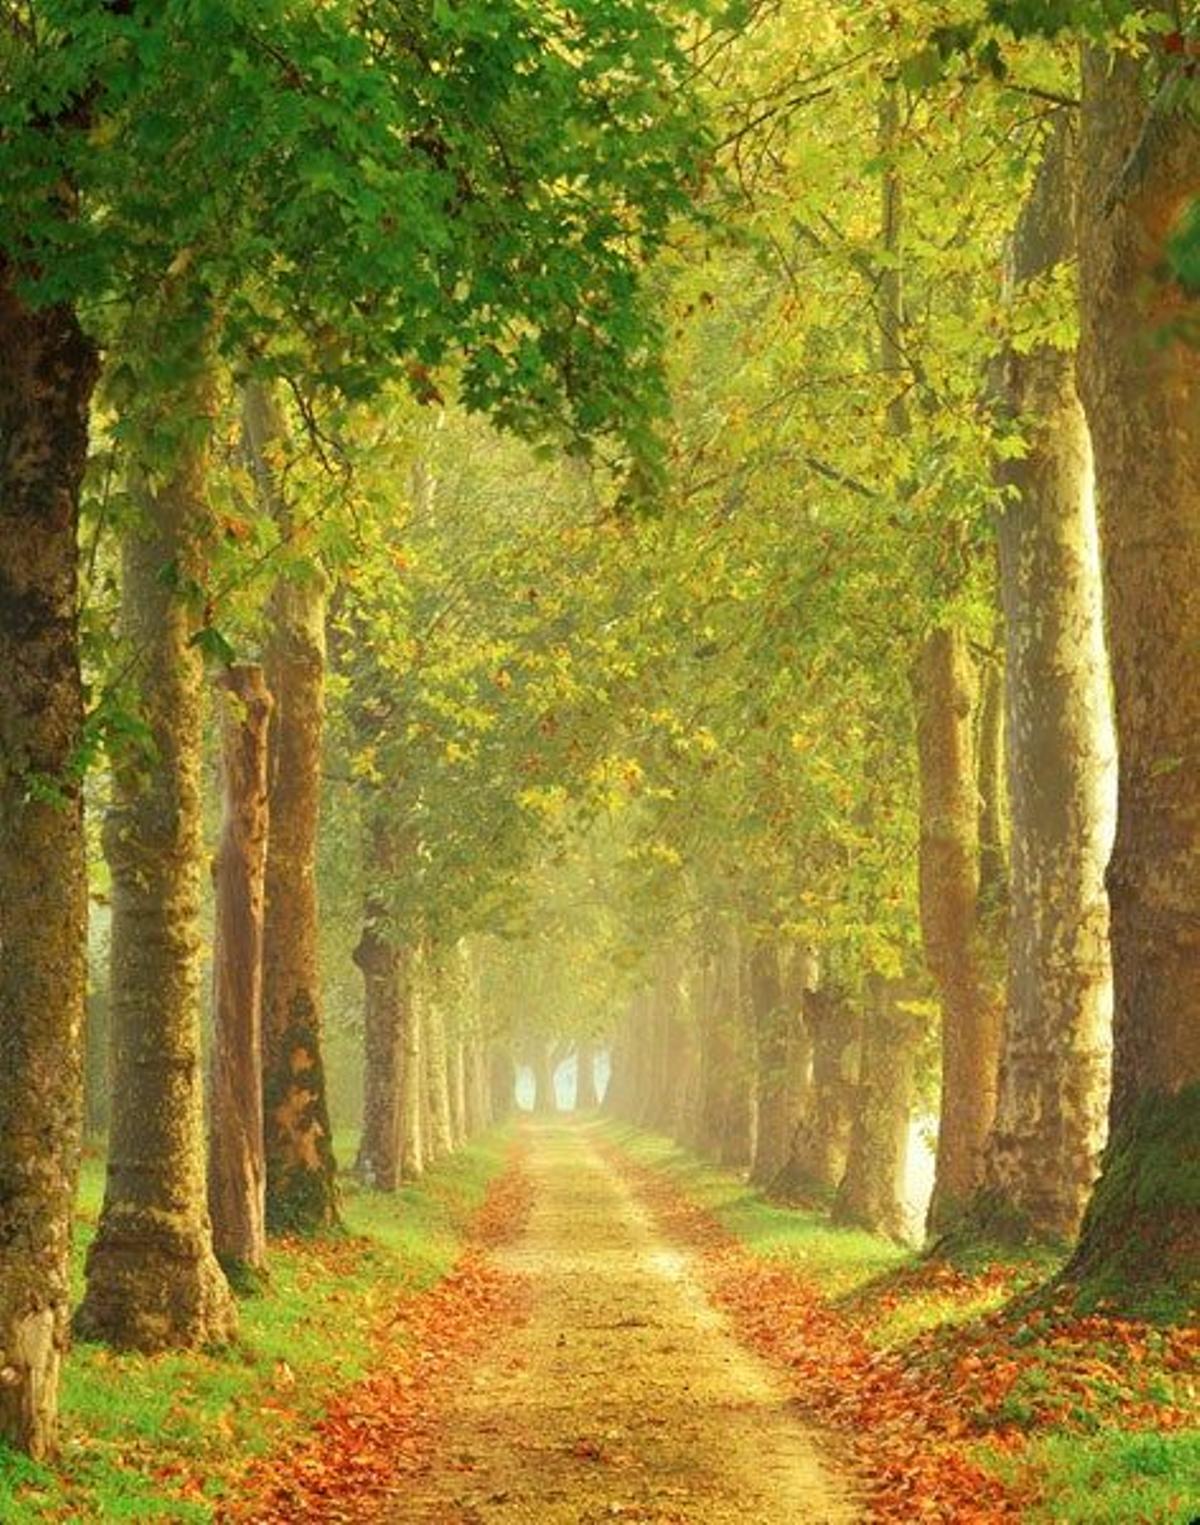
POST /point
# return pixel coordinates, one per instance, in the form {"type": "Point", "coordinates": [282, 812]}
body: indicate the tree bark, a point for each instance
{"type": "Point", "coordinates": [820, 1139]}
{"type": "Point", "coordinates": [949, 894]}
{"type": "Point", "coordinates": [413, 1156]}
{"type": "Point", "coordinates": [871, 1193]}
{"type": "Point", "coordinates": [1043, 1155]}
{"type": "Point", "coordinates": [153, 1282]}
{"type": "Point", "coordinates": [46, 382]}
{"type": "Point", "coordinates": [236, 1164]}
{"type": "Point", "coordinates": [1140, 377]}
{"type": "Point", "coordinates": [385, 1008]}
{"type": "Point", "coordinates": [771, 1063]}
{"type": "Point", "coordinates": [544, 1100]}
{"type": "Point", "coordinates": [503, 1083]}
{"type": "Point", "coordinates": [439, 1142]}
{"type": "Point", "coordinates": [585, 1076]}
{"type": "Point", "coordinates": [301, 1172]}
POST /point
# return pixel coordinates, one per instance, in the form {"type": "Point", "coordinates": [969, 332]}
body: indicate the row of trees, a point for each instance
{"type": "Point", "coordinates": [809, 772]}
{"type": "Point", "coordinates": [269, 211]}
{"type": "Point", "coordinates": [924, 823]}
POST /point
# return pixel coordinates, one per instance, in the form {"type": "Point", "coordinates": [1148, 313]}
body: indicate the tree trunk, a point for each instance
{"type": "Point", "coordinates": [458, 1088]}
{"type": "Point", "coordinates": [153, 1282]}
{"type": "Point", "coordinates": [385, 1003]}
{"type": "Point", "coordinates": [1140, 377]}
{"type": "Point", "coordinates": [1043, 1154]}
{"type": "Point", "coordinates": [413, 1157]}
{"type": "Point", "coordinates": [439, 1142]}
{"type": "Point", "coordinates": [543, 1079]}
{"type": "Point", "coordinates": [820, 1140]}
{"type": "Point", "coordinates": [236, 1167]}
{"type": "Point", "coordinates": [771, 1063]}
{"type": "Point", "coordinates": [949, 885]}
{"type": "Point", "coordinates": [585, 1076]}
{"type": "Point", "coordinates": [478, 1116]}
{"type": "Point", "coordinates": [46, 381]}
{"type": "Point", "coordinates": [301, 1173]}
{"type": "Point", "coordinates": [503, 1083]}
{"type": "Point", "coordinates": [871, 1193]}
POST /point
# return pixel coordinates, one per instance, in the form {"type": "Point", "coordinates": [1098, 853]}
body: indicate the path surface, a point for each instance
{"type": "Point", "coordinates": [623, 1396]}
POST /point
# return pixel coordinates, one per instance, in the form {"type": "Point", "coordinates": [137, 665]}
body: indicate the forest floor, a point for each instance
{"type": "Point", "coordinates": [584, 1323]}
{"type": "Point", "coordinates": [623, 1394]}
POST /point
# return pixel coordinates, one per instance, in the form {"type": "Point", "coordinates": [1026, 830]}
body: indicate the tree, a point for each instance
{"type": "Point", "coordinates": [46, 382]}
{"type": "Point", "coordinates": [236, 1161]}
{"type": "Point", "coordinates": [1042, 1156]}
{"type": "Point", "coordinates": [152, 1278]}
{"type": "Point", "coordinates": [1139, 378]}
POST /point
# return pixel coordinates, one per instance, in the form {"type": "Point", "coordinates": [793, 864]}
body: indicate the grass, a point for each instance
{"type": "Point", "coordinates": [1093, 1405]}
{"type": "Point", "coordinates": [159, 1438]}
{"type": "Point", "coordinates": [841, 1260]}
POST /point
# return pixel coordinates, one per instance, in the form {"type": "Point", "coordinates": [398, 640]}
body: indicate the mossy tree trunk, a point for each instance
{"type": "Point", "coordinates": [1140, 378]}
{"type": "Point", "coordinates": [945, 687]}
{"type": "Point", "coordinates": [871, 1192]}
{"type": "Point", "coordinates": [301, 1173]}
{"type": "Point", "coordinates": [1043, 1155]}
{"type": "Point", "coordinates": [153, 1282]}
{"type": "Point", "coordinates": [46, 379]}
{"type": "Point", "coordinates": [236, 1166]}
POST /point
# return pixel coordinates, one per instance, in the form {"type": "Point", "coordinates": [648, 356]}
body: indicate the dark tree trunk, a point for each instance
{"type": "Point", "coordinates": [46, 379]}
{"type": "Point", "coordinates": [1140, 376]}
{"type": "Point", "coordinates": [236, 1165]}
{"type": "Point", "coordinates": [385, 1003]}
{"type": "Point", "coordinates": [301, 1173]}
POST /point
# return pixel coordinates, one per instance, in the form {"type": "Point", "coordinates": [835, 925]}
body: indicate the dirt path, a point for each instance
{"type": "Point", "coordinates": [623, 1396]}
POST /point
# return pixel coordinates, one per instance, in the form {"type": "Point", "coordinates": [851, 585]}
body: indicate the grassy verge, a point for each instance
{"type": "Point", "coordinates": [1086, 1419]}
{"type": "Point", "coordinates": [157, 1438]}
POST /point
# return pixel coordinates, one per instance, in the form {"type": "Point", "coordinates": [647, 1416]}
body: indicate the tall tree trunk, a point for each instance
{"type": "Point", "coordinates": [153, 1281]}
{"type": "Point", "coordinates": [585, 1076]}
{"type": "Point", "coordinates": [413, 1156]}
{"type": "Point", "coordinates": [771, 1062]}
{"type": "Point", "coordinates": [46, 381]}
{"type": "Point", "coordinates": [871, 1193]}
{"type": "Point", "coordinates": [1043, 1154]}
{"type": "Point", "coordinates": [385, 1003]}
{"type": "Point", "coordinates": [820, 1140]}
{"type": "Point", "coordinates": [439, 1142]}
{"type": "Point", "coordinates": [458, 1085]}
{"type": "Point", "coordinates": [1140, 377]}
{"type": "Point", "coordinates": [503, 1082]}
{"type": "Point", "coordinates": [301, 1173]}
{"type": "Point", "coordinates": [478, 1092]}
{"type": "Point", "coordinates": [544, 1099]}
{"type": "Point", "coordinates": [236, 1166]}
{"type": "Point", "coordinates": [949, 884]}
